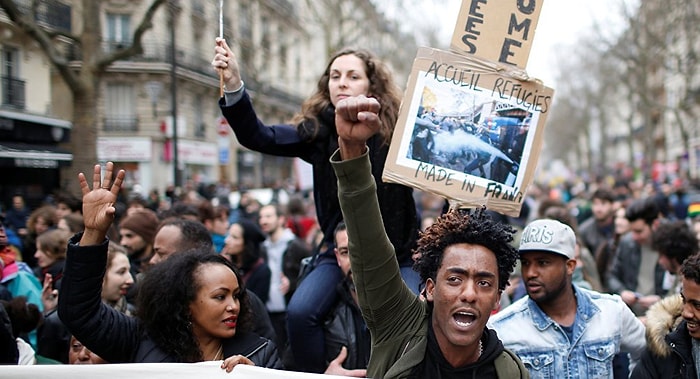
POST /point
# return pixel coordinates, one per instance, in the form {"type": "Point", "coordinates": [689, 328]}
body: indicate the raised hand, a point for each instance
{"type": "Point", "coordinates": [226, 65]}
{"type": "Point", "coordinates": [335, 367]}
{"type": "Point", "coordinates": [98, 203]}
{"type": "Point", "coordinates": [356, 120]}
{"type": "Point", "coordinates": [49, 296]}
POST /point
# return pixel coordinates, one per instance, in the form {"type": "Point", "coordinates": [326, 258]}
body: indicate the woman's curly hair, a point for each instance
{"type": "Point", "coordinates": [46, 212]}
{"type": "Point", "coordinates": [381, 87]}
{"type": "Point", "coordinates": [163, 302]}
{"type": "Point", "coordinates": [464, 226]}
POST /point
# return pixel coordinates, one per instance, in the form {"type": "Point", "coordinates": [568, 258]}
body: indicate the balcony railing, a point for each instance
{"type": "Point", "coordinates": [112, 46]}
{"type": "Point", "coordinates": [13, 92]}
{"type": "Point", "coordinates": [188, 59]}
{"type": "Point", "coordinates": [121, 124]}
{"type": "Point", "coordinates": [52, 14]}
{"type": "Point", "coordinates": [157, 53]}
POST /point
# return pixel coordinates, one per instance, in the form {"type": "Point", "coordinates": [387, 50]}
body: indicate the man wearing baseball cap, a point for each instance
{"type": "Point", "coordinates": [558, 329]}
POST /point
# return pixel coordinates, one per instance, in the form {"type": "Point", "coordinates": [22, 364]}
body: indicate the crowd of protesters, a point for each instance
{"type": "Point", "coordinates": [98, 279]}
{"type": "Point", "coordinates": [630, 243]}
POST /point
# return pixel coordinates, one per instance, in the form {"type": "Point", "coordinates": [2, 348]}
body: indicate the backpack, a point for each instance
{"type": "Point", "coordinates": [292, 263]}
{"type": "Point", "coordinates": [306, 266]}
{"type": "Point", "coordinates": [309, 263]}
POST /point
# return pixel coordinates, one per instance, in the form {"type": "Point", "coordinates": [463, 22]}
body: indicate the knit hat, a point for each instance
{"type": "Point", "coordinates": [694, 209]}
{"type": "Point", "coordinates": [550, 236]}
{"type": "Point", "coordinates": [143, 222]}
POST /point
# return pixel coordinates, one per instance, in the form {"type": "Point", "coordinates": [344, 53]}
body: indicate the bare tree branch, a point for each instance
{"type": "Point", "coordinates": [136, 47]}
{"type": "Point", "coordinates": [27, 24]}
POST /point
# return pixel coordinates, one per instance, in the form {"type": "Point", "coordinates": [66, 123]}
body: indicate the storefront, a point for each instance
{"type": "Point", "coordinates": [30, 156]}
{"type": "Point", "coordinates": [131, 154]}
{"type": "Point", "coordinates": [199, 161]}
{"type": "Point", "coordinates": [149, 164]}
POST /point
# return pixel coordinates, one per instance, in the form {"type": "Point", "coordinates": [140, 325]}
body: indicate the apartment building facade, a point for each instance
{"type": "Point", "coordinates": [30, 128]}
{"type": "Point", "coordinates": [282, 47]}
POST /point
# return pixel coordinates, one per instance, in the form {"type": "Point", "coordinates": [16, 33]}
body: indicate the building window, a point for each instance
{"type": "Point", "coordinates": [118, 30]}
{"type": "Point", "coordinates": [283, 54]}
{"type": "Point", "coordinates": [120, 108]}
{"type": "Point", "coordinates": [12, 85]}
{"type": "Point", "coordinates": [10, 62]}
{"type": "Point", "coordinates": [199, 126]}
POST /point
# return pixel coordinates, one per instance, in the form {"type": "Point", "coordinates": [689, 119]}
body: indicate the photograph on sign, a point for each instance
{"type": "Point", "coordinates": [468, 132]}
{"type": "Point", "coordinates": [464, 130]}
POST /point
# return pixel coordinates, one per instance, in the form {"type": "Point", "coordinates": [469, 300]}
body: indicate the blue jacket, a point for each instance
{"type": "Point", "coordinates": [604, 326]}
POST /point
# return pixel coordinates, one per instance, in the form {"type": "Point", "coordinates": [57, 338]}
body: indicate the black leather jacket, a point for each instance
{"type": "Point", "coordinates": [346, 327]}
{"type": "Point", "coordinates": [625, 268]}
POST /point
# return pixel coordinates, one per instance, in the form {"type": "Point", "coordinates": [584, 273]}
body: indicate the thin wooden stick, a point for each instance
{"type": "Point", "coordinates": [221, 35]}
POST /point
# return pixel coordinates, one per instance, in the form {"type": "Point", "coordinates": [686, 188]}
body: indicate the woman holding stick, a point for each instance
{"type": "Point", "coordinates": [312, 137]}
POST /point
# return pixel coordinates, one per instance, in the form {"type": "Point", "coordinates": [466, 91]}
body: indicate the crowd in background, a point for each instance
{"type": "Point", "coordinates": [142, 277]}
{"type": "Point", "coordinates": [608, 219]}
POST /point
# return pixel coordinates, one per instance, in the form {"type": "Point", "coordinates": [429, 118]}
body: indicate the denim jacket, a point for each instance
{"type": "Point", "coordinates": [604, 326]}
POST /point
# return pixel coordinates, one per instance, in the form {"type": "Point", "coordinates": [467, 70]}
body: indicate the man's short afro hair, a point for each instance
{"type": "Point", "coordinates": [463, 226]}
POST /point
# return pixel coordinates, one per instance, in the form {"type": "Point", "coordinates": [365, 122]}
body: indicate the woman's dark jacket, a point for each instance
{"type": "Point", "coordinates": [396, 201]}
{"type": "Point", "coordinates": [53, 338]}
{"type": "Point", "coordinates": [257, 279]}
{"type": "Point", "coordinates": [56, 271]}
{"type": "Point", "coordinates": [118, 338]}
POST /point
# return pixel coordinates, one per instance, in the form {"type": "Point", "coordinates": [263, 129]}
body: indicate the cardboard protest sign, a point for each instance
{"type": "Point", "coordinates": [468, 130]}
{"type": "Point", "coordinates": [497, 30]}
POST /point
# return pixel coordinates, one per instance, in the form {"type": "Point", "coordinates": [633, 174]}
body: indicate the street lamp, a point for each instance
{"type": "Point", "coordinates": [174, 7]}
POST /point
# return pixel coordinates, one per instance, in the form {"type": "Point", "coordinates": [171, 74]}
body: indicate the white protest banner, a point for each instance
{"type": "Point", "coordinates": [469, 130]}
{"type": "Point", "coordinates": [497, 30]}
{"type": "Point", "coordinates": [209, 370]}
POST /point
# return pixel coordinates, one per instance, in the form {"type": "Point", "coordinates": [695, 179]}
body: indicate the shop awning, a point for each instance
{"type": "Point", "coordinates": [42, 120]}
{"type": "Point", "coordinates": [26, 155]}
